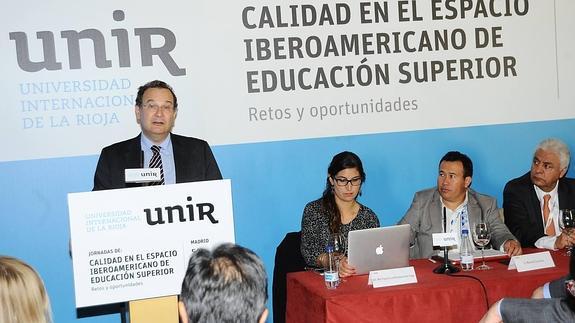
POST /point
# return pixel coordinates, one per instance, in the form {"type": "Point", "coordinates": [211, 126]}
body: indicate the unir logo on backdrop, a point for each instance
{"type": "Point", "coordinates": [147, 52]}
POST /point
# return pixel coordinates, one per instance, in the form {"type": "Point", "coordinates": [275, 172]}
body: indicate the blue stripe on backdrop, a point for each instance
{"type": "Point", "coordinates": [271, 184]}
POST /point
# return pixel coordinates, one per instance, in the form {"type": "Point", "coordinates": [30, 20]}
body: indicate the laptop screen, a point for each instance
{"type": "Point", "coordinates": [379, 248]}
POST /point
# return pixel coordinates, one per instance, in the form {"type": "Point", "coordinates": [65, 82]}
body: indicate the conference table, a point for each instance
{"type": "Point", "coordinates": [460, 297]}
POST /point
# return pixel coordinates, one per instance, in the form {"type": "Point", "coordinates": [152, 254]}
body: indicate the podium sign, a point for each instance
{"type": "Point", "coordinates": [135, 243]}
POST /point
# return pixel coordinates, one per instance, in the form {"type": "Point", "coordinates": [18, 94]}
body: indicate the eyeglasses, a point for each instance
{"type": "Point", "coordinates": [342, 181]}
{"type": "Point", "coordinates": [570, 286]}
{"type": "Point", "coordinates": [152, 106]}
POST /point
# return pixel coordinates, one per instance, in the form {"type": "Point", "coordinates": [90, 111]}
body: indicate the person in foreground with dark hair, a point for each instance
{"type": "Point", "coordinates": [181, 159]}
{"type": "Point", "coordinates": [337, 211]}
{"type": "Point", "coordinates": [464, 208]}
{"type": "Point", "coordinates": [228, 284]}
{"type": "Point", "coordinates": [559, 306]}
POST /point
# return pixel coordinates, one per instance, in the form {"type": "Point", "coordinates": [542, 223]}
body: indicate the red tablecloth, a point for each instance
{"type": "Point", "coordinates": [434, 298]}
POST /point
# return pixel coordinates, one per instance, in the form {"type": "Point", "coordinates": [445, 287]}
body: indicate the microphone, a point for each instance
{"type": "Point", "coordinates": [142, 164]}
{"type": "Point", "coordinates": [142, 175]}
{"type": "Point", "coordinates": [444, 220]}
{"type": "Point", "coordinates": [446, 267]}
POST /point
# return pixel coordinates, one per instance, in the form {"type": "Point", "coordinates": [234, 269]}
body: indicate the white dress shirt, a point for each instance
{"type": "Point", "coordinates": [454, 224]}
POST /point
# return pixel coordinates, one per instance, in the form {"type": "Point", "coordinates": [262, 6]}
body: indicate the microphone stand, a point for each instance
{"type": "Point", "coordinates": [446, 267]}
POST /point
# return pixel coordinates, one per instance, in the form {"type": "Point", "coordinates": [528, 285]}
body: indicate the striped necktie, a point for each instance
{"type": "Point", "coordinates": [156, 162]}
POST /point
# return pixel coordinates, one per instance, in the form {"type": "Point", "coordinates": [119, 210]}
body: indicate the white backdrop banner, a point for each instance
{"type": "Point", "coordinates": [135, 243]}
{"type": "Point", "coordinates": [252, 71]}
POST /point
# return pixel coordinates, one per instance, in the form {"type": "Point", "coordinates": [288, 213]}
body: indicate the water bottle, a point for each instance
{"type": "Point", "coordinates": [331, 275]}
{"type": "Point", "coordinates": [466, 251]}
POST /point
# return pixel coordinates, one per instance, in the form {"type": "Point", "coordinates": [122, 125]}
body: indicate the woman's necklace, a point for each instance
{"type": "Point", "coordinates": [353, 213]}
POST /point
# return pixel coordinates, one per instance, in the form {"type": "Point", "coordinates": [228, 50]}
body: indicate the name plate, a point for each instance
{"type": "Point", "coordinates": [392, 277]}
{"type": "Point", "coordinates": [532, 261]}
{"type": "Point", "coordinates": [444, 239]}
{"type": "Point", "coordinates": [142, 175]}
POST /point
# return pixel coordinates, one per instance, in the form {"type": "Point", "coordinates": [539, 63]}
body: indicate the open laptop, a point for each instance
{"type": "Point", "coordinates": [379, 248]}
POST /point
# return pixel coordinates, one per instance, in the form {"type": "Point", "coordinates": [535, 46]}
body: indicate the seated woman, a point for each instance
{"type": "Point", "coordinates": [23, 297]}
{"type": "Point", "coordinates": [337, 211]}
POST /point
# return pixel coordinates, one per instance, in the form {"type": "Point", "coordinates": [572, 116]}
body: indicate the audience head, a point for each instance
{"type": "Point", "coordinates": [343, 184]}
{"type": "Point", "coordinates": [550, 163]}
{"type": "Point", "coordinates": [156, 110]}
{"type": "Point", "coordinates": [23, 297]}
{"type": "Point", "coordinates": [455, 175]}
{"type": "Point", "coordinates": [228, 284]}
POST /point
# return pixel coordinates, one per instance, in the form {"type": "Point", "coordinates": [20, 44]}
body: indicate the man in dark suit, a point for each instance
{"type": "Point", "coordinates": [532, 202]}
{"type": "Point", "coordinates": [183, 159]}
{"type": "Point", "coordinates": [463, 208]}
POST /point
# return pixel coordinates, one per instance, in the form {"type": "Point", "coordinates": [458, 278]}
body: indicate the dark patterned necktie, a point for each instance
{"type": "Point", "coordinates": [156, 162]}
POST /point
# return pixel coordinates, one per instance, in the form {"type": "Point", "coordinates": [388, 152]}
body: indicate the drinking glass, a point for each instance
{"type": "Point", "coordinates": [339, 248]}
{"type": "Point", "coordinates": [481, 237]}
{"type": "Point", "coordinates": [339, 245]}
{"type": "Point", "coordinates": [567, 222]}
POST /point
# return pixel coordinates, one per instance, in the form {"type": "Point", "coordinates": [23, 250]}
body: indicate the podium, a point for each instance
{"type": "Point", "coordinates": [133, 244]}
{"type": "Point", "coordinates": [153, 310]}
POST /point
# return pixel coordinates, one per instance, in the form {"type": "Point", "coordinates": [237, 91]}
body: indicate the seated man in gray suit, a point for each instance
{"type": "Point", "coordinates": [557, 306]}
{"type": "Point", "coordinates": [463, 208]}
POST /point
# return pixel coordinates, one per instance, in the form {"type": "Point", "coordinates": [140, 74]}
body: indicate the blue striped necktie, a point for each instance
{"type": "Point", "coordinates": [156, 162]}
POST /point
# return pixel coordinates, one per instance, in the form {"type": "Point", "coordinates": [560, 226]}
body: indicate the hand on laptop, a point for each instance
{"type": "Point", "coordinates": [345, 269]}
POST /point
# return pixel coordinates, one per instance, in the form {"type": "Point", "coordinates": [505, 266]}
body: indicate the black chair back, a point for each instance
{"type": "Point", "coordinates": [288, 259]}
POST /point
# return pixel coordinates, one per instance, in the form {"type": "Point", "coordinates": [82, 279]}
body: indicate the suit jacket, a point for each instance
{"type": "Point", "coordinates": [426, 217]}
{"type": "Point", "coordinates": [537, 310]}
{"type": "Point", "coordinates": [193, 160]}
{"type": "Point", "coordinates": [557, 287]}
{"type": "Point", "coordinates": [523, 209]}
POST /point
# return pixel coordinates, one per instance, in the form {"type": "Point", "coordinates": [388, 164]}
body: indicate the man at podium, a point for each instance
{"type": "Point", "coordinates": [180, 159]}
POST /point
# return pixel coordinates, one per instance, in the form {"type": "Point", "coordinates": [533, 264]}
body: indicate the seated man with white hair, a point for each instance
{"type": "Point", "coordinates": [532, 202]}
